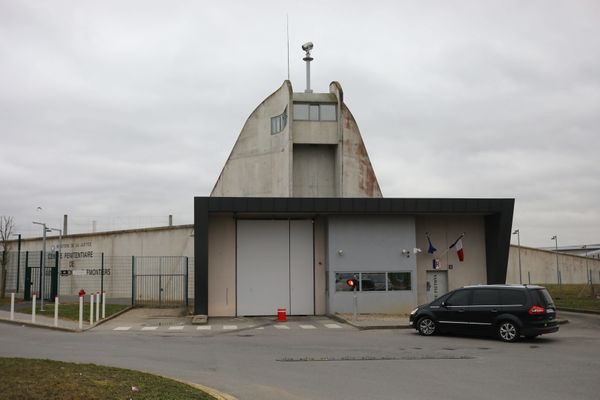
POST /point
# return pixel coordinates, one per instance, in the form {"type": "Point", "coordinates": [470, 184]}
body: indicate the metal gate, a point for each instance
{"type": "Point", "coordinates": [33, 283]}
{"type": "Point", "coordinates": [160, 281]}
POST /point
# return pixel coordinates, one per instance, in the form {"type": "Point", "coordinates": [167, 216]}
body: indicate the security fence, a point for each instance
{"type": "Point", "coordinates": [160, 281]}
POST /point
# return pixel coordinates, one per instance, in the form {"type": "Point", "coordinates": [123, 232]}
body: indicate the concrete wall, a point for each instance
{"type": "Point", "coordinates": [357, 175]}
{"type": "Point", "coordinates": [221, 266]}
{"type": "Point", "coordinates": [443, 231]}
{"type": "Point", "coordinates": [314, 171]}
{"type": "Point", "coordinates": [81, 258]}
{"type": "Point", "coordinates": [260, 162]}
{"type": "Point", "coordinates": [539, 266]}
{"type": "Point", "coordinates": [371, 244]}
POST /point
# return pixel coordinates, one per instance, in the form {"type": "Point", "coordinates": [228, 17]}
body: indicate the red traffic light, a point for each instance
{"type": "Point", "coordinates": [353, 283]}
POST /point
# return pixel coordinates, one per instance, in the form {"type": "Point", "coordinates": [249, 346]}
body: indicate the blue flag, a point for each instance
{"type": "Point", "coordinates": [431, 249]}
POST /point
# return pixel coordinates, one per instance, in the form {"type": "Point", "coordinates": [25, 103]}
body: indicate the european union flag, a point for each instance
{"type": "Point", "coordinates": [431, 249]}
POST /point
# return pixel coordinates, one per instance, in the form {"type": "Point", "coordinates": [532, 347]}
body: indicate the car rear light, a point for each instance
{"type": "Point", "coordinates": [537, 310]}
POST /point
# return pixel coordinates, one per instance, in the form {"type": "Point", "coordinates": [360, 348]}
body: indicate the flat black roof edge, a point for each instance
{"type": "Point", "coordinates": [354, 205]}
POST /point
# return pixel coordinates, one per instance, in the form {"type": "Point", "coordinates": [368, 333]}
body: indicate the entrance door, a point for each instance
{"type": "Point", "coordinates": [275, 267]}
{"type": "Point", "coordinates": [437, 284]}
{"type": "Point", "coordinates": [301, 268]}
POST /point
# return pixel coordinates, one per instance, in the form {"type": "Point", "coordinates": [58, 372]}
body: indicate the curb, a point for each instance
{"type": "Point", "coordinates": [115, 315]}
{"type": "Point", "coordinates": [367, 327]}
{"type": "Point", "coordinates": [578, 310]}
{"type": "Point", "coordinates": [63, 329]}
{"type": "Point", "coordinates": [31, 325]}
{"type": "Point", "coordinates": [213, 392]}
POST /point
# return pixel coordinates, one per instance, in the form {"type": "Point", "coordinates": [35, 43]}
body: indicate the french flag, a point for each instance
{"type": "Point", "coordinates": [458, 245]}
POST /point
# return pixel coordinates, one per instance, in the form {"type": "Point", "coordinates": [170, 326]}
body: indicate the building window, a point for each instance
{"type": "Point", "coordinates": [328, 112]}
{"type": "Point", "coordinates": [278, 123]}
{"type": "Point", "coordinates": [340, 281]}
{"type": "Point", "coordinates": [374, 281]}
{"type": "Point", "coordinates": [315, 112]}
{"type": "Point", "coordinates": [399, 281]}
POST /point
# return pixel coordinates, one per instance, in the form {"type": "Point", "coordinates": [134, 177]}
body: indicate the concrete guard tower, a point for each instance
{"type": "Point", "coordinates": [299, 145]}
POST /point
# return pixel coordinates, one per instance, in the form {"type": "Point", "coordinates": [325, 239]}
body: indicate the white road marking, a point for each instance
{"type": "Point", "coordinates": [149, 328]}
{"type": "Point", "coordinates": [308, 327]}
{"type": "Point", "coordinates": [176, 328]}
{"type": "Point", "coordinates": [332, 326]}
{"type": "Point", "coordinates": [282, 327]}
{"type": "Point", "coordinates": [260, 327]}
{"type": "Point", "coordinates": [122, 328]}
{"type": "Point", "coordinates": [229, 327]}
{"type": "Point", "coordinates": [204, 328]}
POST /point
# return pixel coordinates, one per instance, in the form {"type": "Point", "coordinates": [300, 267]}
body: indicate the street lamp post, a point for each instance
{"type": "Point", "coordinates": [516, 232]}
{"type": "Point", "coordinates": [43, 267]}
{"type": "Point", "coordinates": [555, 238]}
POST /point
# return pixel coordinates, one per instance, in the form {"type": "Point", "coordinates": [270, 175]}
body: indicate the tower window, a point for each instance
{"type": "Point", "coordinates": [315, 112]}
{"type": "Point", "coordinates": [278, 123]}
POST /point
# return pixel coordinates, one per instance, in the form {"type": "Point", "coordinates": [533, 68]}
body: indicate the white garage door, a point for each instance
{"type": "Point", "coordinates": [274, 267]}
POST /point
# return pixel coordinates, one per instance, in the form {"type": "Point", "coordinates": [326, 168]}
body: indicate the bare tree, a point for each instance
{"type": "Point", "coordinates": [7, 225]}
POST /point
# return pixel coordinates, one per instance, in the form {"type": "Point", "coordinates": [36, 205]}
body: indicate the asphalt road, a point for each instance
{"type": "Point", "coordinates": [341, 363]}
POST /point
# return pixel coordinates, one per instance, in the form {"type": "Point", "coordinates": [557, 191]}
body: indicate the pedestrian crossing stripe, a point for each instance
{"type": "Point", "coordinates": [176, 327]}
{"type": "Point", "coordinates": [122, 328]}
{"type": "Point", "coordinates": [204, 328]}
{"type": "Point", "coordinates": [229, 327]}
{"type": "Point", "coordinates": [149, 328]}
{"type": "Point", "coordinates": [308, 327]}
{"type": "Point", "coordinates": [282, 327]}
{"type": "Point", "coordinates": [332, 326]}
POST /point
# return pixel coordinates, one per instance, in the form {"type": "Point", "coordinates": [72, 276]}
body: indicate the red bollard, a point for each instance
{"type": "Point", "coordinates": [281, 314]}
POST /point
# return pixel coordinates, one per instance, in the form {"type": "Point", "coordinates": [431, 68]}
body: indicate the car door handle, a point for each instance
{"type": "Point", "coordinates": [494, 310]}
{"type": "Point", "coordinates": [461, 310]}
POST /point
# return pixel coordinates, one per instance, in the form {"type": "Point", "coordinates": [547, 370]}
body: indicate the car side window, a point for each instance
{"type": "Point", "coordinates": [459, 298]}
{"type": "Point", "coordinates": [512, 297]}
{"type": "Point", "coordinates": [486, 297]}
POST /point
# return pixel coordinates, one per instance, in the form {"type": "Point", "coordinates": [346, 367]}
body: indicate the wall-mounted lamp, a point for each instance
{"type": "Point", "coordinates": [340, 252]}
{"type": "Point", "coordinates": [416, 250]}
{"type": "Point", "coordinates": [405, 253]}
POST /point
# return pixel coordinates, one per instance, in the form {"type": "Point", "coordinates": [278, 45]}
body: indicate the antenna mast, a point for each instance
{"type": "Point", "coordinates": [287, 27]}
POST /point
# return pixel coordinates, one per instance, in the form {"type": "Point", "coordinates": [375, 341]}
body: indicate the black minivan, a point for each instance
{"type": "Point", "coordinates": [509, 311]}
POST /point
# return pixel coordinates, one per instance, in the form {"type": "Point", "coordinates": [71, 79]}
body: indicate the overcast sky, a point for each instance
{"type": "Point", "coordinates": [122, 111]}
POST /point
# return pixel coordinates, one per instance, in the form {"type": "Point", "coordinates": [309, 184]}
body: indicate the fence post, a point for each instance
{"type": "Point", "coordinates": [97, 306]}
{"type": "Point", "coordinates": [102, 275]}
{"type": "Point", "coordinates": [103, 305]}
{"type": "Point", "coordinates": [187, 259]}
{"type": "Point", "coordinates": [132, 280]}
{"type": "Point", "coordinates": [18, 262]}
{"type": "Point", "coordinates": [54, 276]}
{"type": "Point", "coordinates": [27, 288]}
{"type": "Point", "coordinates": [40, 279]}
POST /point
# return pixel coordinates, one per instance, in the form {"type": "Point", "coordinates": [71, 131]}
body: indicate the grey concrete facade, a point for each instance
{"type": "Point", "coordinates": [317, 155]}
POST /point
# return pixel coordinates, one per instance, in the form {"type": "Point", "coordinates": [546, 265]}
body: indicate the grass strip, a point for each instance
{"type": "Point", "coordinates": [582, 297]}
{"type": "Point", "coordinates": [45, 379]}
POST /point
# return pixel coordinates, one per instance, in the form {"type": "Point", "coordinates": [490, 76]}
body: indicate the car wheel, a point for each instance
{"type": "Point", "coordinates": [426, 326]}
{"type": "Point", "coordinates": [508, 331]}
